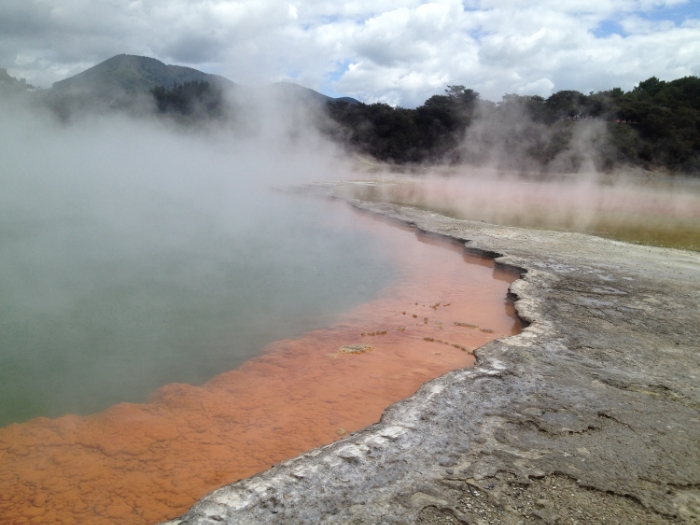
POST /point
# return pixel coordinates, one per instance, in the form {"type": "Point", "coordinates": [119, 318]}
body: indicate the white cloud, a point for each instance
{"type": "Point", "coordinates": [398, 51]}
{"type": "Point", "coordinates": [543, 87]}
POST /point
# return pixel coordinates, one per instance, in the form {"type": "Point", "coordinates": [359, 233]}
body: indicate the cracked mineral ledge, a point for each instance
{"type": "Point", "coordinates": [590, 415]}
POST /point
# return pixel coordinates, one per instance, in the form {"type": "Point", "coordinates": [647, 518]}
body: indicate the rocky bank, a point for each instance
{"type": "Point", "coordinates": [590, 415]}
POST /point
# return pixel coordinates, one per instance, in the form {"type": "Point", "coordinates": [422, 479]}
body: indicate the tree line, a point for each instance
{"type": "Point", "coordinates": [656, 124]}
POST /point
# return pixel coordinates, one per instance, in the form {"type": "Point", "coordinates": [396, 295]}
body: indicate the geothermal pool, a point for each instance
{"type": "Point", "coordinates": [339, 316]}
{"type": "Point", "coordinates": [98, 307]}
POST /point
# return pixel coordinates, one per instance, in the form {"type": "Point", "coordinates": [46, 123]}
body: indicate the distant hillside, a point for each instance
{"type": "Point", "coordinates": [132, 74]}
{"type": "Point", "coordinates": [132, 83]}
{"type": "Point", "coordinates": [287, 91]}
{"type": "Point", "coordinates": [11, 84]}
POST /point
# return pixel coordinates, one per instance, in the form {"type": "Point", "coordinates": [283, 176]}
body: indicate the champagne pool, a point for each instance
{"type": "Point", "coordinates": [169, 325]}
{"type": "Point", "coordinates": [332, 322]}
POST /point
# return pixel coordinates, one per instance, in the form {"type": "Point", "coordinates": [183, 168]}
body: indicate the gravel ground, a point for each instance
{"type": "Point", "coordinates": [590, 415]}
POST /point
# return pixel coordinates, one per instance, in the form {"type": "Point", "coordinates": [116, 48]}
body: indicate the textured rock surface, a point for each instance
{"type": "Point", "coordinates": [591, 415]}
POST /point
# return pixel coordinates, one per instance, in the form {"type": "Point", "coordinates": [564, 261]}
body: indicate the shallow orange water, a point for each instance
{"type": "Point", "coordinates": [144, 463]}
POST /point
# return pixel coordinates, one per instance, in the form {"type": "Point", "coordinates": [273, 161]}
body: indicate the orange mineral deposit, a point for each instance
{"type": "Point", "coordinates": [145, 463]}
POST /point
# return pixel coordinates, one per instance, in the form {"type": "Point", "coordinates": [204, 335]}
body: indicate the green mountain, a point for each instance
{"type": "Point", "coordinates": [288, 92]}
{"type": "Point", "coordinates": [130, 74]}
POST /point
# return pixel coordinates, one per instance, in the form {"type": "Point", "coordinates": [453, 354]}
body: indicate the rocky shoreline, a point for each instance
{"type": "Point", "coordinates": [590, 415]}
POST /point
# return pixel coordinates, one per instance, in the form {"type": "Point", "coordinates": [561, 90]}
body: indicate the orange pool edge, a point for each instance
{"type": "Point", "coordinates": [144, 463]}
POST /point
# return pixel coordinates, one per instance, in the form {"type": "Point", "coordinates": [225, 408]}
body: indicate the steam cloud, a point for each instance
{"type": "Point", "coordinates": [118, 231]}
{"type": "Point", "coordinates": [510, 140]}
{"type": "Point", "coordinates": [517, 171]}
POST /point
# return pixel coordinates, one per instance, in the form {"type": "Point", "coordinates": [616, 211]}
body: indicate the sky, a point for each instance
{"type": "Point", "coordinates": [395, 51]}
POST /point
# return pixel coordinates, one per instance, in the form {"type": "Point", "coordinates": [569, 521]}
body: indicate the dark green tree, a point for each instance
{"type": "Point", "coordinates": [191, 99]}
{"type": "Point", "coordinates": [655, 124]}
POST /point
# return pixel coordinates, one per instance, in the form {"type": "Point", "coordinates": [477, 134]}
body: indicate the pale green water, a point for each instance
{"type": "Point", "coordinates": [127, 263]}
{"type": "Point", "coordinates": [89, 318]}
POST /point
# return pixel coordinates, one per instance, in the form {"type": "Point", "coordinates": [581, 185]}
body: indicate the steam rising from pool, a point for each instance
{"type": "Point", "coordinates": [657, 210]}
{"type": "Point", "coordinates": [135, 254]}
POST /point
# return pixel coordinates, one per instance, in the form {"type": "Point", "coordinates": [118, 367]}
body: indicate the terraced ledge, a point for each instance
{"type": "Point", "coordinates": [590, 415]}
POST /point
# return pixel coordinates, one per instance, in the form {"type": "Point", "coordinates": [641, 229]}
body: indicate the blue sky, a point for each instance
{"type": "Point", "coordinates": [395, 51]}
{"type": "Point", "coordinates": [678, 14]}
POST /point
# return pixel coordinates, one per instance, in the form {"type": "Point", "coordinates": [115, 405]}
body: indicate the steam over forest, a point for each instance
{"type": "Point", "coordinates": [654, 125]}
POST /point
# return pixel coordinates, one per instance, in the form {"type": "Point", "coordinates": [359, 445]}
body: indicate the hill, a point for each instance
{"type": "Point", "coordinates": [132, 83]}
{"type": "Point", "coordinates": [10, 84]}
{"type": "Point", "coordinates": [131, 74]}
{"type": "Point", "coordinates": [288, 92]}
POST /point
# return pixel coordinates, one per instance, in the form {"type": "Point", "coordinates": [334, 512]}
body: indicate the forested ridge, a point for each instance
{"type": "Point", "coordinates": [656, 124]}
